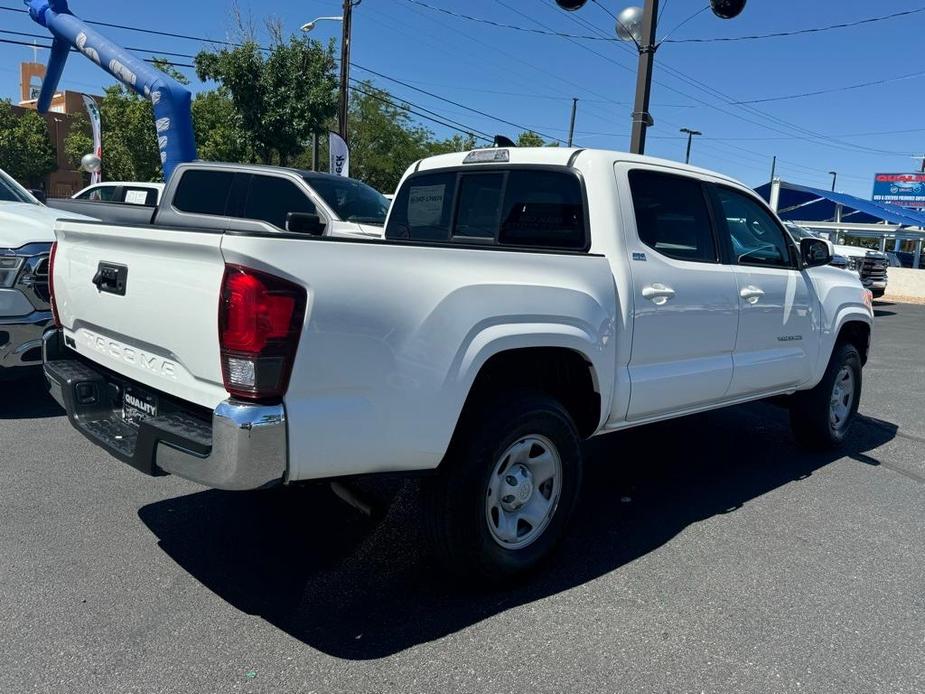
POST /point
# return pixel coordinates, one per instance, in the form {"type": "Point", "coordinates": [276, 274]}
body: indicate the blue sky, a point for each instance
{"type": "Point", "coordinates": [530, 79]}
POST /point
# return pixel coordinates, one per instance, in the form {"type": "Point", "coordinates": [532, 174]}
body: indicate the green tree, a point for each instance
{"type": "Point", "coordinates": [130, 151]}
{"type": "Point", "coordinates": [26, 151]}
{"type": "Point", "coordinates": [384, 140]}
{"type": "Point", "coordinates": [219, 134]}
{"type": "Point", "coordinates": [279, 99]}
{"type": "Point", "coordinates": [530, 139]}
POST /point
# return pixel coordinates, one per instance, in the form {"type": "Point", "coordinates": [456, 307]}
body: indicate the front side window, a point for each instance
{"type": "Point", "coordinates": [11, 191]}
{"type": "Point", "coordinates": [352, 201]}
{"type": "Point", "coordinates": [672, 216]}
{"type": "Point", "coordinates": [756, 238]}
{"type": "Point", "coordinates": [271, 200]}
{"type": "Point", "coordinates": [100, 194]}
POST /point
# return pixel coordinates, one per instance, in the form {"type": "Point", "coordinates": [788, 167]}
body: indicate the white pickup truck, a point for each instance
{"type": "Point", "coordinates": [522, 300]}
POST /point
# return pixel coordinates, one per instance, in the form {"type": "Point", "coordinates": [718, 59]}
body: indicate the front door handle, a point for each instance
{"type": "Point", "coordinates": [658, 294]}
{"type": "Point", "coordinates": [751, 294]}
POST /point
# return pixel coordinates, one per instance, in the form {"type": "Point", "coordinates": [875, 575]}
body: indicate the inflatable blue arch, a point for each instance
{"type": "Point", "coordinates": [173, 116]}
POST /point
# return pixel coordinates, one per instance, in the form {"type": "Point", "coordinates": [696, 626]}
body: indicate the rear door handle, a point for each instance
{"type": "Point", "coordinates": [751, 294]}
{"type": "Point", "coordinates": [659, 294]}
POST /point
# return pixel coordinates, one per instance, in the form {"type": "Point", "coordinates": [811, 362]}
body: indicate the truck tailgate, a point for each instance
{"type": "Point", "coordinates": [157, 325]}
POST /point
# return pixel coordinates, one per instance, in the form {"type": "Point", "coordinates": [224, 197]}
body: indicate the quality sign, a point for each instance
{"type": "Point", "coordinates": [905, 190]}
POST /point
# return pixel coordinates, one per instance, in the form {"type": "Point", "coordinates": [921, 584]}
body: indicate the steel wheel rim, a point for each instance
{"type": "Point", "coordinates": [842, 400]}
{"type": "Point", "coordinates": [523, 492]}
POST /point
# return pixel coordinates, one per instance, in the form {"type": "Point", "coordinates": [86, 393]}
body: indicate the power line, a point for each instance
{"type": "Point", "coordinates": [136, 29]}
{"type": "Point", "coordinates": [454, 103]}
{"type": "Point", "coordinates": [799, 32]}
{"type": "Point", "coordinates": [406, 105]}
{"type": "Point", "coordinates": [586, 37]}
{"type": "Point", "coordinates": [833, 90]}
{"type": "Point", "coordinates": [514, 27]}
{"type": "Point", "coordinates": [48, 47]}
{"type": "Point", "coordinates": [777, 123]}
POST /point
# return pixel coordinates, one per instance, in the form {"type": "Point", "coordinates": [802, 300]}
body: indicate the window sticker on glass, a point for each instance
{"type": "Point", "coordinates": [425, 205]}
{"type": "Point", "coordinates": [136, 197]}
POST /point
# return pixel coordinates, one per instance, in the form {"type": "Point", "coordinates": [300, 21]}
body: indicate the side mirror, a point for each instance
{"type": "Point", "coordinates": [305, 223]}
{"type": "Point", "coordinates": [816, 252]}
{"type": "Point", "coordinates": [39, 195]}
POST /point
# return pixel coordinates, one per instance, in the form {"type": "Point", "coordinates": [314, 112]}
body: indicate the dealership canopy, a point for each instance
{"type": "Point", "coordinates": [803, 203]}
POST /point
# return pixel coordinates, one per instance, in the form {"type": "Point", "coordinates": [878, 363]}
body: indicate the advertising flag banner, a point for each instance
{"type": "Point", "coordinates": [95, 125]}
{"type": "Point", "coordinates": [339, 155]}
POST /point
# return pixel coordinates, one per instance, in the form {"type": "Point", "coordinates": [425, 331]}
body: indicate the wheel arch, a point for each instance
{"type": "Point", "coordinates": [565, 373]}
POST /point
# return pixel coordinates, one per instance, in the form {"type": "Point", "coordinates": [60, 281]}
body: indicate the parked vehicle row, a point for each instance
{"type": "Point", "coordinates": [871, 266]}
{"type": "Point", "coordinates": [238, 197]}
{"type": "Point", "coordinates": [26, 235]}
{"type": "Point", "coordinates": [522, 300]}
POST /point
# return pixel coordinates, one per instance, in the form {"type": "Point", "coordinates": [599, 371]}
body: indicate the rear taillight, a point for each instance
{"type": "Point", "coordinates": [259, 325]}
{"type": "Point", "coordinates": [51, 285]}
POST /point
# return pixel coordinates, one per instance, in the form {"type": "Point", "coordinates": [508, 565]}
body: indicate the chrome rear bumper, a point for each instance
{"type": "Point", "coordinates": [240, 446]}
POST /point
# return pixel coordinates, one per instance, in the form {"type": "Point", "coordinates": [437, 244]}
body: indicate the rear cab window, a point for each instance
{"type": "Point", "coordinates": [516, 207]}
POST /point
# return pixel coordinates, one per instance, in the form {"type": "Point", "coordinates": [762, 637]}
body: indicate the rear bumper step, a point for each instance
{"type": "Point", "coordinates": [243, 447]}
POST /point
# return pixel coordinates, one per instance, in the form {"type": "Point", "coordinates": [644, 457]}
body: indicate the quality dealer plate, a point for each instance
{"type": "Point", "coordinates": [138, 404]}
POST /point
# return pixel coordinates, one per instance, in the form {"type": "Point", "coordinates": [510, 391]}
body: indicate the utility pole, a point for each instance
{"type": "Point", "coordinates": [642, 119]}
{"type": "Point", "coordinates": [571, 127]}
{"type": "Point", "coordinates": [690, 138]}
{"type": "Point", "coordinates": [344, 106]}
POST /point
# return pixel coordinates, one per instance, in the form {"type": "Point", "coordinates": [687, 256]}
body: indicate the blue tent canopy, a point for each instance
{"type": "Point", "coordinates": [816, 205]}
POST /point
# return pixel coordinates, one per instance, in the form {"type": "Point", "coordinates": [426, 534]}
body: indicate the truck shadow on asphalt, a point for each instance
{"type": "Point", "coordinates": [355, 589]}
{"type": "Point", "coordinates": [27, 398]}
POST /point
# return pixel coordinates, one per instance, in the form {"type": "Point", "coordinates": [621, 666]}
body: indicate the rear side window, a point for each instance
{"type": "Point", "coordinates": [423, 208]}
{"type": "Point", "coordinates": [140, 196]}
{"type": "Point", "coordinates": [672, 216]}
{"type": "Point", "coordinates": [543, 208]}
{"type": "Point", "coordinates": [203, 192]}
{"type": "Point", "coordinates": [518, 207]}
{"type": "Point", "coordinates": [271, 200]}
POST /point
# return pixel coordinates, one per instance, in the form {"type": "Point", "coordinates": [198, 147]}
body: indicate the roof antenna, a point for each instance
{"type": "Point", "coordinates": [502, 141]}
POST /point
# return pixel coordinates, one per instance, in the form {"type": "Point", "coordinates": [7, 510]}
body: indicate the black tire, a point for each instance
{"type": "Point", "coordinates": [878, 293]}
{"type": "Point", "coordinates": [455, 500]}
{"type": "Point", "coordinates": [810, 413]}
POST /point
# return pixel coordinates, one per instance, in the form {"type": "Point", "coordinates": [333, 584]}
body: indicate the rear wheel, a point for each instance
{"type": "Point", "coordinates": [502, 499]}
{"type": "Point", "coordinates": [822, 417]}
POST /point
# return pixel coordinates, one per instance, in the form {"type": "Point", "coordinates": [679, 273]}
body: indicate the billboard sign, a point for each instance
{"type": "Point", "coordinates": [905, 190]}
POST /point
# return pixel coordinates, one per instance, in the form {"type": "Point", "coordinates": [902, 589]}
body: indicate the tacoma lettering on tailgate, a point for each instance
{"type": "Point", "coordinates": [151, 363]}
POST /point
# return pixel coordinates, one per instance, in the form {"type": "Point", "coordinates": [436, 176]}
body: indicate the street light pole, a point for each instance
{"type": "Point", "coordinates": [571, 127]}
{"type": "Point", "coordinates": [690, 138]}
{"type": "Point", "coordinates": [642, 119]}
{"type": "Point", "coordinates": [346, 39]}
{"type": "Point", "coordinates": [834, 175]}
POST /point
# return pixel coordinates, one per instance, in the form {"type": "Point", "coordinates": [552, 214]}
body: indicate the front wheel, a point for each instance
{"type": "Point", "coordinates": [502, 499]}
{"type": "Point", "coordinates": [822, 417]}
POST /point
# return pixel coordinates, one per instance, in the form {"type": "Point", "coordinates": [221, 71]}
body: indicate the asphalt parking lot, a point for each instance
{"type": "Point", "coordinates": [709, 554]}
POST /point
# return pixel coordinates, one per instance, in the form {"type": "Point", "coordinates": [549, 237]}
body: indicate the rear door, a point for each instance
{"type": "Point", "coordinates": [143, 302]}
{"type": "Point", "coordinates": [685, 302]}
{"type": "Point", "coordinates": [776, 343]}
